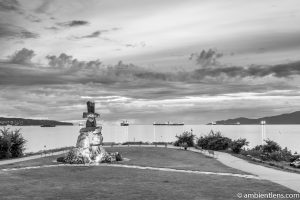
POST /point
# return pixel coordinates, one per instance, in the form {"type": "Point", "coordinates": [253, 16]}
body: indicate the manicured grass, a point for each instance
{"type": "Point", "coordinates": [172, 158]}
{"type": "Point", "coordinates": [153, 157]}
{"type": "Point", "coordinates": [105, 182]}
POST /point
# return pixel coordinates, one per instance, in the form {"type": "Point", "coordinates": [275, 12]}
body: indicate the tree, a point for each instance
{"type": "Point", "coordinates": [185, 139]}
{"type": "Point", "coordinates": [237, 145]}
{"type": "Point", "coordinates": [270, 146]}
{"type": "Point", "coordinates": [214, 141]}
{"type": "Point", "coordinates": [12, 143]}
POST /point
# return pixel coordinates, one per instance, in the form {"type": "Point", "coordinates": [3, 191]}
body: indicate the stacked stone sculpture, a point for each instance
{"type": "Point", "coordinates": [89, 147]}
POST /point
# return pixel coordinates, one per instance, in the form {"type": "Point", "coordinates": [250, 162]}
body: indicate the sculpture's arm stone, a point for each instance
{"type": "Point", "coordinates": [89, 129]}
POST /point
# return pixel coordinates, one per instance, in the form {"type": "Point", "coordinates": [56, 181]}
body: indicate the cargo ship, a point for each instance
{"type": "Point", "coordinates": [124, 123]}
{"type": "Point", "coordinates": [48, 125]}
{"type": "Point", "coordinates": [168, 124]}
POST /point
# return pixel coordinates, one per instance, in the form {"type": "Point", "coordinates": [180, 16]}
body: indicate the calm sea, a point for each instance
{"type": "Point", "coordinates": [39, 138]}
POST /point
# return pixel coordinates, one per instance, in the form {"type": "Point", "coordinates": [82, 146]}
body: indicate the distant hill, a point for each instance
{"type": "Point", "coordinates": [30, 122]}
{"type": "Point", "coordinates": [290, 118]}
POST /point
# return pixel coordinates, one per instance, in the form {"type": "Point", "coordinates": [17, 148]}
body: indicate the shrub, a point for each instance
{"type": "Point", "coordinates": [294, 157]}
{"type": "Point", "coordinates": [252, 152]}
{"type": "Point", "coordinates": [133, 143]}
{"type": "Point", "coordinates": [287, 155]}
{"type": "Point", "coordinates": [276, 156]}
{"type": "Point", "coordinates": [270, 146]}
{"type": "Point", "coordinates": [214, 141]}
{"type": "Point", "coordinates": [186, 138]}
{"type": "Point", "coordinates": [237, 145]}
{"type": "Point", "coordinates": [270, 151]}
{"type": "Point", "coordinates": [11, 143]}
{"type": "Point", "coordinates": [73, 157]}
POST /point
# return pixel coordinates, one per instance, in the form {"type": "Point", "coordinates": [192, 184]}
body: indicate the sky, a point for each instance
{"type": "Point", "coordinates": [193, 61]}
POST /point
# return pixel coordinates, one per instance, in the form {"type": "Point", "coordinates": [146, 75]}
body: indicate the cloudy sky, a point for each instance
{"type": "Point", "coordinates": [195, 61]}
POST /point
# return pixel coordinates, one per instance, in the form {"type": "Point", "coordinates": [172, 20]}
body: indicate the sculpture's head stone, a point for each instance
{"type": "Point", "coordinates": [91, 119]}
{"type": "Point", "coordinates": [91, 122]}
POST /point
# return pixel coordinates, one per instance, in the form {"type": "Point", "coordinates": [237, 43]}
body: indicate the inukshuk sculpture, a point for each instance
{"type": "Point", "coordinates": [89, 147]}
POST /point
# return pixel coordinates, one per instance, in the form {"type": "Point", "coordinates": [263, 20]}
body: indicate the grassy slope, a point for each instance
{"type": "Point", "coordinates": [118, 183]}
{"type": "Point", "coordinates": [172, 158]}
{"type": "Point", "coordinates": [153, 157]}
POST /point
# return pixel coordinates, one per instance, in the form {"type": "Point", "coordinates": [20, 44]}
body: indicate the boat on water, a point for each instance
{"type": "Point", "coordinates": [168, 124]}
{"type": "Point", "coordinates": [124, 123]}
{"type": "Point", "coordinates": [48, 125]}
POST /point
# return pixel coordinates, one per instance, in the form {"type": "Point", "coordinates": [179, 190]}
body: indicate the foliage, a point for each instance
{"type": "Point", "coordinates": [271, 150]}
{"type": "Point", "coordinates": [270, 146]}
{"type": "Point", "coordinates": [74, 157]}
{"type": "Point", "coordinates": [214, 141]}
{"type": "Point", "coordinates": [236, 145]}
{"type": "Point", "coordinates": [135, 143]}
{"type": "Point", "coordinates": [185, 139]}
{"type": "Point", "coordinates": [12, 143]}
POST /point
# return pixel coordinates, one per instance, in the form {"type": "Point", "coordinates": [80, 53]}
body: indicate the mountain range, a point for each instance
{"type": "Point", "coordinates": [30, 122]}
{"type": "Point", "coordinates": [290, 118]}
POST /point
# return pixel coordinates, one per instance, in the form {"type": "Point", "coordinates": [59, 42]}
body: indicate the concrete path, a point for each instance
{"type": "Point", "coordinates": [287, 179]}
{"type": "Point", "coordinates": [15, 160]}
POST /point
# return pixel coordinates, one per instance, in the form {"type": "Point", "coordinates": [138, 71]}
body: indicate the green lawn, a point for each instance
{"type": "Point", "coordinates": [104, 182]}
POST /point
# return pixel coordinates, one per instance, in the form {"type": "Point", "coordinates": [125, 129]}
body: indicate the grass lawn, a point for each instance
{"type": "Point", "coordinates": [104, 182]}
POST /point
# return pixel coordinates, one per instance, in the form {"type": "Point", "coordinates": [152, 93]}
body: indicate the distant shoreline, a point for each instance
{"type": "Point", "coordinates": [288, 119]}
{"type": "Point", "coordinates": [5, 121]}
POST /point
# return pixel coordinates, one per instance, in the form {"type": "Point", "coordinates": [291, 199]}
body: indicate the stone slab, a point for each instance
{"type": "Point", "coordinates": [89, 114]}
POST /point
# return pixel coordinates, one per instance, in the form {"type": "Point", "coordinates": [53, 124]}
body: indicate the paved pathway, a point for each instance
{"type": "Point", "coordinates": [15, 160]}
{"type": "Point", "coordinates": [287, 179]}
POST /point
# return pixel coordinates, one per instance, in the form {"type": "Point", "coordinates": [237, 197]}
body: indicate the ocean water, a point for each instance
{"type": "Point", "coordinates": [41, 138]}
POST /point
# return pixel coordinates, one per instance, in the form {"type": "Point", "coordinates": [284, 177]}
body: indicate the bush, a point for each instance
{"type": "Point", "coordinates": [270, 151]}
{"type": "Point", "coordinates": [270, 146]}
{"type": "Point", "coordinates": [237, 145]}
{"type": "Point", "coordinates": [134, 143]}
{"type": "Point", "coordinates": [276, 156]}
{"type": "Point", "coordinates": [11, 143]}
{"type": "Point", "coordinates": [185, 139]}
{"type": "Point", "coordinates": [214, 141]}
{"type": "Point", "coordinates": [252, 152]}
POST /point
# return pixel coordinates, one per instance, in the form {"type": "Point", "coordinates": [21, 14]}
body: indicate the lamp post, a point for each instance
{"type": "Point", "coordinates": [263, 131]}
{"type": "Point", "coordinates": [154, 133]}
{"type": "Point", "coordinates": [127, 130]}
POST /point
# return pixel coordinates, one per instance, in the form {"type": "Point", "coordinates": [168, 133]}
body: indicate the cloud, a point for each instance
{"type": "Point", "coordinates": [206, 58]}
{"type": "Point", "coordinates": [43, 7]}
{"type": "Point", "coordinates": [33, 18]}
{"type": "Point", "coordinates": [93, 35]}
{"type": "Point", "coordinates": [9, 5]}
{"type": "Point", "coordinates": [140, 44]}
{"type": "Point", "coordinates": [53, 28]}
{"type": "Point", "coordinates": [97, 33]}
{"type": "Point", "coordinates": [73, 23]}
{"type": "Point", "coordinates": [14, 6]}
{"type": "Point", "coordinates": [64, 69]}
{"type": "Point", "coordinates": [22, 56]}
{"type": "Point", "coordinates": [11, 31]}
{"type": "Point", "coordinates": [132, 92]}
{"type": "Point", "coordinates": [254, 71]}
{"type": "Point", "coordinates": [64, 61]}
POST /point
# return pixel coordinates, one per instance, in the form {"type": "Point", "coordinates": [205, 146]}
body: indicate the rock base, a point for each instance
{"type": "Point", "coordinates": [87, 156]}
